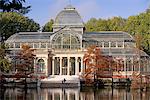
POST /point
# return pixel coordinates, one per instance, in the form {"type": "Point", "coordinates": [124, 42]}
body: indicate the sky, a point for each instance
{"type": "Point", "coordinates": [44, 10]}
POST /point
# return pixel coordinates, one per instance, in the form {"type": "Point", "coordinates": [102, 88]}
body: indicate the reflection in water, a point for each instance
{"type": "Point", "coordinates": [74, 94]}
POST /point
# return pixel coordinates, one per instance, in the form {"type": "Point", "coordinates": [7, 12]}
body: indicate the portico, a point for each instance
{"type": "Point", "coordinates": [67, 64]}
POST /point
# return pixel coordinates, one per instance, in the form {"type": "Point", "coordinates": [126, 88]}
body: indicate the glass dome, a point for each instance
{"type": "Point", "coordinates": [68, 16]}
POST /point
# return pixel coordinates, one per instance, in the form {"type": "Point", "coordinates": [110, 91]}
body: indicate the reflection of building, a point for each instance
{"type": "Point", "coordinates": [74, 94]}
{"type": "Point", "coordinates": [61, 52]}
{"type": "Point", "coordinates": [60, 94]}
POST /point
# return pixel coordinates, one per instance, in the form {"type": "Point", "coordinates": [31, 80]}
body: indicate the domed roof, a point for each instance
{"type": "Point", "coordinates": [68, 16]}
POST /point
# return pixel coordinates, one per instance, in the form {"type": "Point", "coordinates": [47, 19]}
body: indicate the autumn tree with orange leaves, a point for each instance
{"type": "Point", "coordinates": [25, 59]}
{"type": "Point", "coordinates": [97, 65]}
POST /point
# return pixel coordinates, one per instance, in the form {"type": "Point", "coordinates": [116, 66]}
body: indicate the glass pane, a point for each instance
{"type": "Point", "coordinates": [43, 45]}
{"type": "Point", "coordinates": [113, 44]}
{"type": "Point", "coordinates": [120, 44]}
{"type": "Point", "coordinates": [40, 65]}
{"type": "Point", "coordinates": [100, 44]}
{"type": "Point", "coordinates": [57, 65]}
{"type": "Point", "coordinates": [106, 44]}
{"type": "Point", "coordinates": [31, 45]}
{"type": "Point", "coordinates": [64, 65]}
{"type": "Point", "coordinates": [72, 62]}
{"type": "Point", "coordinates": [17, 45]}
{"type": "Point", "coordinates": [11, 45]}
{"type": "Point", "coordinates": [36, 45]}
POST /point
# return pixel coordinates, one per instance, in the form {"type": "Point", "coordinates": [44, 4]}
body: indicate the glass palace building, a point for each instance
{"type": "Point", "coordinates": [61, 52]}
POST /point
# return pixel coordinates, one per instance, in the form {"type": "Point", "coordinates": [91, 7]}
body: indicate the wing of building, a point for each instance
{"type": "Point", "coordinates": [61, 52]}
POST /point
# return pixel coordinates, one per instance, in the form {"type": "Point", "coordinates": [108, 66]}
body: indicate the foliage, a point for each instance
{"type": "Point", "coordinates": [14, 6]}
{"type": "Point", "coordinates": [4, 62]}
{"type": "Point", "coordinates": [116, 23]}
{"type": "Point", "coordinates": [48, 26]}
{"type": "Point", "coordinates": [139, 81]}
{"type": "Point", "coordinates": [97, 65]}
{"type": "Point", "coordinates": [25, 59]}
{"type": "Point", "coordinates": [96, 25]}
{"type": "Point", "coordinates": [138, 41]}
{"type": "Point", "coordinates": [11, 23]}
{"type": "Point", "coordinates": [112, 24]}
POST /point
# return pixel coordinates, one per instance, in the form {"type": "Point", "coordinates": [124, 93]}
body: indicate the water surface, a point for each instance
{"type": "Point", "coordinates": [74, 94]}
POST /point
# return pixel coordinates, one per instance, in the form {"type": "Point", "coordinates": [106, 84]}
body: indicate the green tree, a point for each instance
{"type": "Point", "coordinates": [113, 24]}
{"type": "Point", "coordinates": [91, 25]}
{"type": "Point", "coordinates": [12, 22]}
{"type": "Point", "coordinates": [146, 43]}
{"type": "Point", "coordinates": [48, 26]}
{"type": "Point", "coordinates": [14, 6]}
{"type": "Point", "coordinates": [4, 62]}
{"type": "Point", "coordinates": [140, 24]}
{"type": "Point", "coordinates": [116, 24]}
{"type": "Point", "coordinates": [102, 25]}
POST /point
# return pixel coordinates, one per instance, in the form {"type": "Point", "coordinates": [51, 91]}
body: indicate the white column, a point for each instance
{"type": "Point", "coordinates": [123, 44]}
{"type": "Point", "coordinates": [109, 44]}
{"type": "Point", "coordinates": [116, 44]}
{"type": "Point", "coordinates": [68, 66]}
{"type": "Point", "coordinates": [46, 65]}
{"type": "Point", "coordinates": [76, 66]}
{"type": "Point", "coordinates": [102, 44]}
{"type": "Point", "coordinates": [53, 66]}
{"type": "Point", "coordinates": [60, 66]}
{"type": "Point", "coordinates": [82, 68]}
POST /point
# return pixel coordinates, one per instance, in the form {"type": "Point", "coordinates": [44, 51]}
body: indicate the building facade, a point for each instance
{"type": "Point", "coordinates": [61, 52]}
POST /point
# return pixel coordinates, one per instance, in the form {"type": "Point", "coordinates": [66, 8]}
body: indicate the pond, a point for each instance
{"type": "Point", "coordinates": [73, 94]}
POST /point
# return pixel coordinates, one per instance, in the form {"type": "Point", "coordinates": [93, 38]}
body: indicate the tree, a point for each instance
{"type": "Point", "coordinates": [138, 41]}
{"type": "Point", "coordinates": [14, 6]}
{"type": "Point", "coordinates": [91, 25]}
{"type": "Point", "coordinates": [25, 59]}
{"type": "Point", "coordinates": [48, 26]}
{"type": "Point", "coordinates": [25, 63]}
{"type": "Point", "coordinates": [102, 25]}
{"type": "Point", "coordinates": [146, 43]}
{"type": "Point", "coordinates": [4, 62]}
{"type": "Point", "coordinates": [97, 65]}
{"type": "Point", "coordinates": [11, 23]}
{"type": "Point", "coordinates": [116, 23]}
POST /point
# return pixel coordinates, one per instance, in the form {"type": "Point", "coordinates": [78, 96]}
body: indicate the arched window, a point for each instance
{"type": "Point", "coordinates": [40, 65]}
{"type": "Point", "coordinates": [66, 41]}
